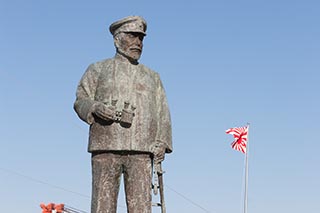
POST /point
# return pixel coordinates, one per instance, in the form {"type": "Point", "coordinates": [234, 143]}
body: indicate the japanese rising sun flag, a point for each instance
{"type": "Point", "coordinates": [240, 135]}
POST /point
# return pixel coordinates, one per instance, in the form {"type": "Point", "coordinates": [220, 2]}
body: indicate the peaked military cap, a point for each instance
{"type": "Point", "coordinates": [129, 24]}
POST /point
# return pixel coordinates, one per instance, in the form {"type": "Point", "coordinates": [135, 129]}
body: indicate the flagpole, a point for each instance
{"type": "Point", "coordinates": [246, 173]}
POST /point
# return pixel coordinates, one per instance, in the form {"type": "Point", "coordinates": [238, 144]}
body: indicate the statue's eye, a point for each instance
{"type": "Point", "coordinates": [130, 35]}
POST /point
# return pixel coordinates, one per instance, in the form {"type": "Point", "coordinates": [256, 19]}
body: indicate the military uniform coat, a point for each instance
{"type": "Point", "coordinates": [116, 79]}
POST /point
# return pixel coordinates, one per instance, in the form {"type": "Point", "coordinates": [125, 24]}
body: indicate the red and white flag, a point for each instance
{"type": "Point", "coordinates": [240, 135]}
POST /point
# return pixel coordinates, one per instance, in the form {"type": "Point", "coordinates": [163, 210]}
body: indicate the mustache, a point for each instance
{"type": "Point", "coordinates": [136, 48]}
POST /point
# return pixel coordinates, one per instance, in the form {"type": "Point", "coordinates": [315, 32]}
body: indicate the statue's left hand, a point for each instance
{"type": "Point", "coordinates": [158, 151]}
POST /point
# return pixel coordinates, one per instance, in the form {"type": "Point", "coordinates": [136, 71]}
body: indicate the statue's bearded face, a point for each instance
{"type": "Point", "coordinates": [130, 45]}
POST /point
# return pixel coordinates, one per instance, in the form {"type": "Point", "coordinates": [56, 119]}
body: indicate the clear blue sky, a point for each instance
{"type": "Point", "coordinates": [223, 63]}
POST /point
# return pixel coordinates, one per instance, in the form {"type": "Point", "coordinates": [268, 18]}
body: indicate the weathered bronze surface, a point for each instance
{"type": "Point", "coordinates": [125, 105]}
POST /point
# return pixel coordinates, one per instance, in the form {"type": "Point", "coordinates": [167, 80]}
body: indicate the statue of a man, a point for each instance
{"type": "Point", "coordinates": [125, 105]}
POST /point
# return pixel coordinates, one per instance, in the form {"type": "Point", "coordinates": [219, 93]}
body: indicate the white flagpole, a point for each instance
{"type": "Point", "coordinates": [246, 173]}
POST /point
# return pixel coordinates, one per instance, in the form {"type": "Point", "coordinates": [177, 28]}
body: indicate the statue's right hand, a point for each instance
{"type": "Point", "coordinates": [103, 111]}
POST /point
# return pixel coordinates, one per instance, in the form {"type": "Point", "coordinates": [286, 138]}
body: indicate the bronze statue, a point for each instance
{"type": "Point", "coordinates": [125, 105]}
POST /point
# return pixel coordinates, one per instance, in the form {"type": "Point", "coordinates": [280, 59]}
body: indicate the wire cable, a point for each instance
{"type": "Point", "coordinates": [70, 209]}
{"type": "Point", "coordinates": [44, 183]}
{"type": "Point", "coordinates": [188, 199]}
